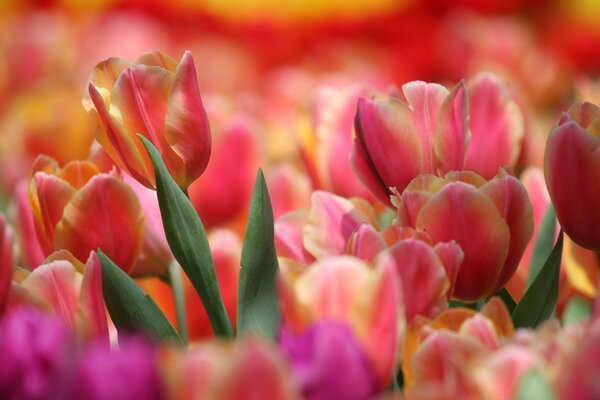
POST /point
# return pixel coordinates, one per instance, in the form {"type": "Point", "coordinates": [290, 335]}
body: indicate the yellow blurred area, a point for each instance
{"type": "Point", "coordinates": [294, 9]}
{"type": "Point", "coordinates": [584, 10]}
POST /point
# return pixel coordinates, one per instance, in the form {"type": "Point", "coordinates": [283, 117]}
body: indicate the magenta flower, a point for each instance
{"type": "Point", "coordinates": [36, 351]}
{"type": "Point", "coordinates": [328, 362]}
{"type": "Point", "coordinates": [128, 373]}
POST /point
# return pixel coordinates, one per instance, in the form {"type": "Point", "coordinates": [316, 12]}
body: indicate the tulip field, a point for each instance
{"type": "Point", "coordinates": [345, 200]}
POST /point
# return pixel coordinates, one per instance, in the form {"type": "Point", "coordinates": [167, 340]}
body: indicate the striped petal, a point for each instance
{"type": "Point", "coordinates": [452, 133]}
{"type": "Point", "coordinates": [462, 213]}
{"type": "Point", "coordinates": [91, 319]}
{"type": "Point", "coordinates": [512, 201]}
{"type": "Point", "coordinates": [186, 124]}
{"type": "Point", "coordinates": [387, 151]}
{"type": "Point", "coordinates": [104, 214]}
{"type": "Point", "coordinates": [57, 284]}
{"type": "Point", "coordinates": [496, 123]}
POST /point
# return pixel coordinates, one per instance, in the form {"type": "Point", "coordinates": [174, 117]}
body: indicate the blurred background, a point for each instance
{"type": "Point", "coordinates": [265, 60]}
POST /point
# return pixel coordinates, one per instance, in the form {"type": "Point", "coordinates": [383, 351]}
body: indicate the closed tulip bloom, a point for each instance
{"type": "Point", "coordinates": [491, 221]}
{"type": "Point", "coordinates": [572, 170]}
{"type": "Point", "coordinates": [396, 141]}
{"type": "Point", "coordinates": [155, 97]}
{"type": "Point", "coordinates": [79, 209]}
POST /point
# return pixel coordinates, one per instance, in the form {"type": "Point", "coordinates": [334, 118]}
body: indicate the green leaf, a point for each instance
{"type": "Point", "coordinates": [188, 242]}
{"type": "Point", "coordinates": [543, 244]}
{"type": "Point", "coordinates": [577, 310]}
{"type": "Point", "coordinates": [533, 386]}
{"type": "Point", "coordinates": [540, 298]}
{"type": "Point", "coordinates": [507, 299]}
{"type": "Point", "coordinates": [258, 310]}
{"type": "Point", "coordinates": [129, 307]}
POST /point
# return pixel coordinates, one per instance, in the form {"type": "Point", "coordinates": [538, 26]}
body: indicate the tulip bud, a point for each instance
{"type": "Point", "coordinates": [159, 99]}
{"type": "Point", "coordinates": [572, 170]}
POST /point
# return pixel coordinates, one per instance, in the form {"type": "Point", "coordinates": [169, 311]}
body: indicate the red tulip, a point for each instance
{"type": "Point", "coordinates": [7, 262]}
{"type": "Point", "coordinates": [159, 99]}
{"type": "Point", "coordinates": [572, 170]}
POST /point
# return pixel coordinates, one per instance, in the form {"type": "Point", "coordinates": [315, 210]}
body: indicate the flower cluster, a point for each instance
{"type": "Point", "coordinates": [322, 238]}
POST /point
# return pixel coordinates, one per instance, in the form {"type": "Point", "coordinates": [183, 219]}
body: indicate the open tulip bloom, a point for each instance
{"type": "Point", "coordinates": [407, 279]}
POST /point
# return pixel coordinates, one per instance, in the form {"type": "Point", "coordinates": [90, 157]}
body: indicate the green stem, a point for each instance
{"type": "Point", "coordinates": [179, 299]}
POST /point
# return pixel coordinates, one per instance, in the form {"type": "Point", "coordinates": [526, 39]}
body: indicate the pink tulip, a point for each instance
{"type": "Point", "coordinates": [396, 141]}
{"type": "Point", "coordinates": [571, 167]}
{"type": "Point", "coordinates": [79, 209]}
{"type": "Point", "coordinates": [327, 291]}
{"type": "Point", "coordinates": [490, 220]}
{"type": "Point", "coordinates": [31, 252]}
{"type": "Point", "coordinates": [70, 289]}
{"type": "Point", "coordinates": [159, 99]}
{"type": "Point", "coordinates": [496, 125]}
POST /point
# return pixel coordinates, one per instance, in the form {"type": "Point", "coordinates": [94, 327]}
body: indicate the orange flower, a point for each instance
{"type": "Point", "coordinates": [79, 209]}
{"type": "Point", "coordinates": [155, 97]}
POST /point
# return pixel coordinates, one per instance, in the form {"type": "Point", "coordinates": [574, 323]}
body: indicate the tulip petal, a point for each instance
{"type": "Point", "coordinates": [512, 200]}
{"type": "Point", "coordinates": [48, 196]}
{"type": "Point", "coordinates": [141, 94]}
{"type": "Point", "coordinates": [58, 284]}
{"type": "Point", "coordinates": [387, 152]}
{"type": "Point", "coordinates": [496, 124]}
{"type": "Point", "coordinates": [451, 256]}
{"type": "Point", "coordinates": [29, 244]}
{"type": "Point", "coordinates": [461, 213]}
{"type": "Point", "coordinates": [423, 278]}
{"type": "Point", "coordinates": [573, 161]}
{"type": "Point", "coordinates": [452, 133]}
{"type": "Point", "coordinates": [481, 329]}
{"type": "Point", "coordinates": [186, 124]}
{"type": "Point", "coordinates": [366, 243]}
{"type": "Point", "coordinates": [289, 237]}
{"type": "Point", "coordinates": [125, 150]}
{"type": "Point", "coordinates": [91, 313]}
{"type": "Point", "coordinates": [107, 214]}
{"type": "Point", "coordinates": [77, 173]}
{"type": "Point", "coordinates": [332, 220]}
{"type": "Point", "coordinates": [425, 101]}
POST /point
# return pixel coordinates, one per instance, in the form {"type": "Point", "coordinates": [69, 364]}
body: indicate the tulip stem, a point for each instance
{"type": "Point", "coordinates": [179, 300]}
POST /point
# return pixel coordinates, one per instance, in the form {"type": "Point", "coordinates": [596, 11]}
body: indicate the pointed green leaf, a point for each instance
{"type": "Point", "coordinates": [188, 242]}
{"type": "Point", "coordinates": [543, 244]}
{"type": "Point", "coordinates": [129, 307]}
{"type": "Point", "coordinates": [533, 386]}
{"type": "Point", "coordinates": [258, 310]}
{"type": "Point", "coordinates": [540, 298]}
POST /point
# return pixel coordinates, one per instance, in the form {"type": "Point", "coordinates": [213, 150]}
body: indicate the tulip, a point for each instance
{"type": "Point", "coordinates": [128, 372]}
{"type": "Point", "coordinates": [571, 168]}
{"type": "Point", "coordinates": [328, 362]}
{"type": "Point", "coordinates": [496, 125]}
{"type": "Point", "coordinates": [396, 141]}
{"type": "Point", "coordinates": [490, 220]}
{"type": "Point", "coordinates": [244, 369]}
{"type": "Point", "coordinates": [70, 289]}
{"type": "Point", "coordinates": [79, 209]}
{"type": "Point", "coordinates": [347, 290]}
{"type": "Point", "coordinates": [36, 353]}
{"type": "Point", "coordinates": [159, 99]}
